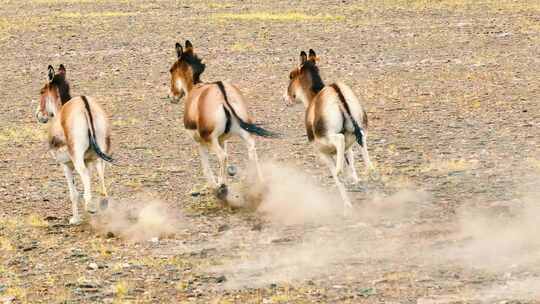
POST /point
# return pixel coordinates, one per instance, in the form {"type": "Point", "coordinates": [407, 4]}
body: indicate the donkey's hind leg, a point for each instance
{"type": "Point", "coordinates": [84, 172]}
{"type": "Point", "coordinates": [252, 152]}
{"type": "Point", "coordinates": [365, 155]}
{"type": "Point", "coordinates": [330, 163]}
{"type": "Point", "coordinates": [203, 153]}
{"type": "Point", "coordinates": [349, 157]}
{"type": "Point", "coordinates": [73, 195]}
{"type": "Point", "coordinates": [100, 168]}
{"type": "Point", "coordinates": [222, 158]}
{"type": "Point", "coordinates": [338, 140]}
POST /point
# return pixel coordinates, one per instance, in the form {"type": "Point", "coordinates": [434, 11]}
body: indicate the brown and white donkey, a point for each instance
{"type": "Point", "coordinates": [79, 135]}
{"type": "Point", "coordinates": [213, 112]}
{"type": "Point", "coordinates": [334, 118]}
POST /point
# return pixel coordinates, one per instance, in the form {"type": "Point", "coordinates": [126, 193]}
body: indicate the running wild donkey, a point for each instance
{"type": "Point", "coordinates": [334, 118]}
{"type": "Point", "coordinates": [213, 112]}
{"type": "Point", "coordinates": [79, 135]}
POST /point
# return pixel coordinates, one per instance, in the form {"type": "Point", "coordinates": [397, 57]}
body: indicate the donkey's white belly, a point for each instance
{"type": "Point", "coordinates": [61, 155]}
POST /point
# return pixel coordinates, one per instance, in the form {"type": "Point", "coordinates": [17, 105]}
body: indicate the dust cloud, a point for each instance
{"type": "Point", "coordinates": [293, 203]}
{"type": "Point", "coordinates": [381, 234]}
{"type": "Point", "coordinates": [139, 219]}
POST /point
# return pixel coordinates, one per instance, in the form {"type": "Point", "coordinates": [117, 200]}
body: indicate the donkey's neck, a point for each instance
{"type": "Point", "coordinates": [309, 96]}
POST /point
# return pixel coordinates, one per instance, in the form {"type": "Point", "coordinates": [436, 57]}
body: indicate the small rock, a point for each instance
{"type": "Point", "coordinates": [221, 279]}
{"type": "Point", "coordinates": [223, 227]}
{"type": "Point", "coordinates": [7, 299]}
{"type": "Point", "coordinates": [93, 266]}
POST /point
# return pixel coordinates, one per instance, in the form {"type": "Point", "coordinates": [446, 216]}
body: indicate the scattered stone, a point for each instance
{"type": "Point", "coordinates": [223, 227]}
{"type": "Point", "coordinates": [282, 240]}
{"type": "Point", "coordinates": [257, 227]}
{"type": "Point", "coordinates": [93, 266]}
{"type": "Point", "coordinates": [7, 299]}
{"type": "Point", "coordinates": [366, 292]}
{"type": "Point", "coordinates": [221, 279]}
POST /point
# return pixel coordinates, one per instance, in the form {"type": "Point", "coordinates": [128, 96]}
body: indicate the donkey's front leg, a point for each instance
{"type": "Point", "coordinates": [73, 195]}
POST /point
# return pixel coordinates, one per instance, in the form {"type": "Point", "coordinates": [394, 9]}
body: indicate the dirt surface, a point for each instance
{"type": "Point", "coordinates": [452, 90]}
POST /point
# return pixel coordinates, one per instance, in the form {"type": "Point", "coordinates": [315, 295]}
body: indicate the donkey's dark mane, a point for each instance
{"type": "Point", "coordinates": [312, 69]}
{"type": "Point", "coordinates": [63, 87]}
{"type": "Point", "coordinates": [196, 65]}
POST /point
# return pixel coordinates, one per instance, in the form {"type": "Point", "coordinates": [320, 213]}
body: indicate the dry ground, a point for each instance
{"type": "Point", "coordinates": [452, 92]}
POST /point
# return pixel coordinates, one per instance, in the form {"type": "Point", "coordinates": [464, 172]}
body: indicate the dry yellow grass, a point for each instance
{"type": "Point", "coordinates": [458, 5]}
{"type": "Point", "coordinates": [21, 134]}
{"type": "Point", "coordinates": [242, 47]}
{"type": "Point", "coordinates": [278, 17]}
{"type": "Point", "coordinates": [36, 221]}
{"type": "Point", "coordinates": [448, 166]}
{"type": "Point", "coordinates": [96, 14]}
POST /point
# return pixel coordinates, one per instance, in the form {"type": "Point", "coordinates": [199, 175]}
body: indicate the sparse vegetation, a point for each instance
{"type": "Point", "coordinates": [451, 92]}
{"type": "Point", "coordinates": [279, 17]}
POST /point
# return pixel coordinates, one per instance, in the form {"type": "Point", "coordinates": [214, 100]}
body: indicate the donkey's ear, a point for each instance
{"type": "Point", "coordinates": [50, 72]}
{"type": "Point", "coordinates": [312, 56]}
{"type": "Point", "coordinates": [188, 44]}
{"type": "Point", "coordinates": [178, 48]}
{"type": "Point", "coordinates": [62, 70]}
{"type": "Point", "coordinates": [303, 57]}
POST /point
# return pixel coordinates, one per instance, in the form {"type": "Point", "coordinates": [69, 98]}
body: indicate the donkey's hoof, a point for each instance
{"type": "Point", "coordinates": [91, 207]}
{"type": "Point", "coordinates": [104, 203]}
{"type": "Point", "coordinates": [231, 170]}
{"type": "Point", "coordinates": [374, 175]}
{"type": "Point", "coordinates": [75, 220]}
{"type": "Point", "coordinates": [222, 191]}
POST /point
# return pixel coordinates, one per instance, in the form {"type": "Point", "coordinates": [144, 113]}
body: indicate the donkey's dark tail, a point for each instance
{"type": "Point", "coordinates": [358, 131]}
{"type": "Point", "coordinates": [92, 134]}
{"type": "Point", "coordinates": [250, 127]}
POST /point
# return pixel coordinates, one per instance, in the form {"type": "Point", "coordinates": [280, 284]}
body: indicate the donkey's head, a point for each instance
{"type": "Point", "coordinates": [185, 72]}
{"type": "Point", "coordinates": [53, 94]}
{"type": "Point", "coordinates": [304, 81]}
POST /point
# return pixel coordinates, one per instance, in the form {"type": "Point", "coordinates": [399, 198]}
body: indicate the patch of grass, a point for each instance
{"type": "Point", "coordinates": [458, 5]}
{"type": "Point", "coordinates": [448, 166]}
{"type": "Point", "coordinates": [534, 163]}
{"type": "Point", "coordinates": [77, 15]}
{"type": "Point", "coordinates": [278, 17]}
{"type": "Point", "coordinates": [19, 293]}
{"type": "Point", "coordinates": [36, 221]}
{"type": "Point", "coordinates": [280, 298]}
{"type": "Point", "coordinates": [241, 47]}
{"type": "Point", "coordinates": [218, 5]}
{"type": "Point", "coordinates": [5, 245]}
{"type": "Point", "coordinates": [120, 290]}
{"type": "Point", "coordinates": [21, 134]}
{"type": "Point", "coordinates": [125, 122]}
{"type": "Point", "coordinates": [78, 1]}
{"type": "Point", "coordinates": [104, 251]}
